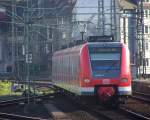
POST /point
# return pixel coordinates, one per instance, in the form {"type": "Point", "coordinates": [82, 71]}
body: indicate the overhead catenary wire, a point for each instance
{"type": "Point", "coordinates": [36, 21]}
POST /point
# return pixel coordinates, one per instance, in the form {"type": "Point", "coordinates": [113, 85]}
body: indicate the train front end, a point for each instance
{"type": "Point", "coordinates": [108, 72]}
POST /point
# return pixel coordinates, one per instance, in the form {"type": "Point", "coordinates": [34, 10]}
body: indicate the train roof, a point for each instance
{"type": "Point", "coordinates": [78, 48]}
{"type": "Point", "coordinates": [105, 44]}
{"type": "Point", "coordinates": [70, 50]}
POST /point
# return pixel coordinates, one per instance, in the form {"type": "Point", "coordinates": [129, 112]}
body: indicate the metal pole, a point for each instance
{"type": "Point", "coordinates": [82, 35]}
{"type": "Point", "coordinates": [115, 20]}
{"type": "Point", "coordinates": [27, 48]}
{"type": "Point", "coordinates": [13, 31]}
{"type": "Point", "coordinates": [124, 27]}
{"type": "Point", "coordinates": [111, 16]}
{"type": "Point", "coordinates": [101, 17]}
{"type": "Point", "coordinates": [143, 40]}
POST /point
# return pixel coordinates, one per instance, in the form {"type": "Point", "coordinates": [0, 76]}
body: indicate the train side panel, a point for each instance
{"type": "Point", "coordinates": [85, 73]}
{"type": "Point", "coordinates": [66, 69]}
{"type": "Point", "coordinates": [125, 80]}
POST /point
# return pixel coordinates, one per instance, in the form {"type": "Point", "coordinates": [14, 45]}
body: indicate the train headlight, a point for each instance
{"type": "Point", "coordinates": [86, 80]}
{"type": "Point", "coordinates": [124, 80]}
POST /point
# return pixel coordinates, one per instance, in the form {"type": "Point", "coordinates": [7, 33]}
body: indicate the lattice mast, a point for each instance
{"type": "Point", "coordinates": [101, 17]}
{"type": "Point", "coordinates": [113, 19]}
{"type": "Point", "coordinates": [107, 26]}
{"type": "Point", "coordinates": [141, 65]}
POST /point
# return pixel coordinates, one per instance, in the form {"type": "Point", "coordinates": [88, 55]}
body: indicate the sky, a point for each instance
{"type": "Point", "coordinates": [89, 3]}
{"type": "Point", "coordinates": [84, 6]}
{"type": "Point", "coordinates": [85, 3]}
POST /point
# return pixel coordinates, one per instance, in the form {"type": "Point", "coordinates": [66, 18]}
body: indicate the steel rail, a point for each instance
{"type": "Point", "coordinates": [141, 99]}
{"type": "Point", "coordinates": [141, 96]}
{"type": "Point", "coordinates": [111, 114]}
{"type": "Point", "coordinates": [24, 99]}
{"type": "Point", "coordinates": [133, 114]}
{"type": "Point", "coordinates": [17, 117]}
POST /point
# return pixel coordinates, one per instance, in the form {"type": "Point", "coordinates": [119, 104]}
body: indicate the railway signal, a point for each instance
{"type": "Point", "coordinates": [28, 58]}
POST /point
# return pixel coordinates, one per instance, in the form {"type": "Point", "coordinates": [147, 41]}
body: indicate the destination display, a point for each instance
{"type": "Point", "coordinates": [104, 50]}
{"type": "Point", "coordinates": [104, 56]}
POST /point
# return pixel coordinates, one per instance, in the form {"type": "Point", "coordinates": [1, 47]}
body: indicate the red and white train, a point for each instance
{"type": "Point", "coordinates": [94, 69]}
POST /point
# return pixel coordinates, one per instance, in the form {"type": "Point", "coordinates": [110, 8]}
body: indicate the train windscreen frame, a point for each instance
{"type": "Point", "coordinates": [105, 61]}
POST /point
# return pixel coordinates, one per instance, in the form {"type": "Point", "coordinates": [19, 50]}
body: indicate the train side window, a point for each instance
{"type": "Point", "coordinates": [70, 67]}
{"type": "Point", "coordinates": [67, 67]}
{"type": "Point", "coordinates": [73, 73]}
{"type": "Point", "coordinates": [78, 68]}
{"type": "Point", "coordinates": [64, 67]}
{"type": "Point", "coordinates": [66, 60]}
{"type": "Point", "coordinates": [62, 64]}
{"type": "Point", "coordinates": [55, 68]}
{"type": "Point", "coordinates": [75, 67]}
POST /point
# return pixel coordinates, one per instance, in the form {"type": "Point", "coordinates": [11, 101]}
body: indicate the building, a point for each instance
{"type": "Point", "coordinates": [34, 30]}
{"type": "Point", "coordinates": [5, 54]}
{"type": "Point", "coordinates": [128, 29]}
{"type": "Point", "coordinates": [30, 34]}
{"type": "Point", "coordinates": [135, 29]}
{"type": "Point", "coordinates": [146, 7]}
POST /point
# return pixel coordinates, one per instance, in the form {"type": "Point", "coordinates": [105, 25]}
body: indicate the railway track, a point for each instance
{"type": "Point", "coordinates": [12, 102]}
{"type": "Point", "coordinates": [24, 99]}
{"type": "Point", "coordinates": [5, 116]}
{"type": "Point", "coordinates": [133, 114]}
{"type": "Point", "coordinates": [141, 96]}
{"type": "Point", "coordinates": [121, 113]}
{"type": "Point", "coordinates": [14, 116]}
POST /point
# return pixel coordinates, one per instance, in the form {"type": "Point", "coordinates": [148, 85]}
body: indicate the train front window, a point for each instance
{"type": "Point", "coordinates": [105, 64]}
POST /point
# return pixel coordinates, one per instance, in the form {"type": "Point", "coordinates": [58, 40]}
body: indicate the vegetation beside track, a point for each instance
{"type": "Point", "coordinates": [8, 88]}
{"type": "Point", "coordinates": [5, 88]}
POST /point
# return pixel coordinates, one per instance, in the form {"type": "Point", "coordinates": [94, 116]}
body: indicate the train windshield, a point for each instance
{"type": "Point", "coordinates": [105, 62]}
